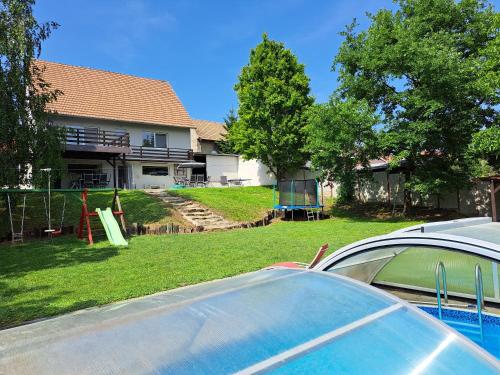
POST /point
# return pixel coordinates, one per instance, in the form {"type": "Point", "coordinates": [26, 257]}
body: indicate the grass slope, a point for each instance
{"type": "Point", "coordinates": [139, 207]}
{"type": "Point", "coordinates": [40, 279]}
{"type": "Point", "coordinates": [234, 203]}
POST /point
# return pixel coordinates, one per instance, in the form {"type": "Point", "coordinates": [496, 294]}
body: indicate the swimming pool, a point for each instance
{"type": "Point", "coordinates": [456, 319]}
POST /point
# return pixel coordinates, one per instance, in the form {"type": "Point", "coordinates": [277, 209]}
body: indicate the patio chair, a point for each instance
{"type": "Point", "coordinates": [192, 181]}
{"type": "Point", "coordinates": [200, 180]}
{"type": "Point", "coordinates": [203, 182]}
{"type": "Point", "coordinates": [181, 181]}
{"type": "Point", "coordinates": [237, 182]}
{"type": "Point", "coordinates": [223, 181]}
{"type": "Point", "coordinates": [88, 180]}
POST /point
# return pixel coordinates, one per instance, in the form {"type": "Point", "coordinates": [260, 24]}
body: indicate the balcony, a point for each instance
{"type": "Point", "coordinates": [143, 153]}
{"type": "Point", "coordinates": [96, 140]}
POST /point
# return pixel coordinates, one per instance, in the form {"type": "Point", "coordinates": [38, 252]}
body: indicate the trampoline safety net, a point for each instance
{"type": "Point", "coordinates": [298, 193]}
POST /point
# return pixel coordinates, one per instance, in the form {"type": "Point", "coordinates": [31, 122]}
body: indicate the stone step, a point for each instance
{"type": "Point", "coordinates": [196, 214]}
{"type": "Point", "coordinates": [189, 210]}
{"type": "Point", "coordinates": [180, 204]}
{"type": "Point", "coordinates": [173, 200]}
{"type": "Point", "coordinates": [210, 222]}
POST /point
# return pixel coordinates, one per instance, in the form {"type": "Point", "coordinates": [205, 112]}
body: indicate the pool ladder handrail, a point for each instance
{"type": "Point", "coordinates": [441, 274]}
{"type": "Point", "coordinates": [479, 298]}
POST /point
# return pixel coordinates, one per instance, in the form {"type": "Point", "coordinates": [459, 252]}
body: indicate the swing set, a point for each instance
{"type": "Point", "coordinates": [18, 236]}
{"type": "Point", "coordinates": [114, 232]}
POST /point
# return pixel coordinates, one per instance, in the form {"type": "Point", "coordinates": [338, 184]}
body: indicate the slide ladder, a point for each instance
{"type": "Point", "coordinates": [476, 328]}
{"type": "Point", "coordinates": [111, 227]}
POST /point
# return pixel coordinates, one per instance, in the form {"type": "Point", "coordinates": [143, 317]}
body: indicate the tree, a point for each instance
{"type": "Point", "coordinates": [340, 138]}
{"type": "Point", "coordinates": [27, 141]}
{"type": "Point", "coordinates": [424, 68]}
{"type": "Point", "coordinates": [225, 145]}
{"type": "Point", "coordinates": [273, 93]}
{"type": "Point", "coordinates": [484, 152]}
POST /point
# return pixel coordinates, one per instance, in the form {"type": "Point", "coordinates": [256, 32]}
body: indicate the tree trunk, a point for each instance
{"type": "Point", "coordinates": [407, 204]}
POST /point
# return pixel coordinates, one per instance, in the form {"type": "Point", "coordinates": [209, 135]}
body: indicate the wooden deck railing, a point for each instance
{"type": "Point", "coordinates": [159, 154]}
{"type": "Point", "coordinates": [98, 138]}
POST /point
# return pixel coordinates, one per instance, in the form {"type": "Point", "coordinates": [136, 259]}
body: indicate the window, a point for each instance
{"type": "Point", "coordinates": [82, 168]}
{"type": "Point", "coordinates": [158, 140]}
{"type": "Point", "coordinates": [155, 171]}
{"type": "Point", "coordinates": [148, 139]}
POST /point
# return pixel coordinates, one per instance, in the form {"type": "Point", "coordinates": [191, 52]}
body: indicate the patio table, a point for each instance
{"type": "Point", "coordinates": [237, 181]}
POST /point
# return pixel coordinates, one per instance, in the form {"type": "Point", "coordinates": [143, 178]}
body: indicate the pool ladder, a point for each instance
{"type": "Point", "coordinates": [441, 276]}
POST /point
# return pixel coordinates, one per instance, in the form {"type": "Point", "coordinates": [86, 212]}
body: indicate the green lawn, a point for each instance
{"type": "Point", "coordinates": [139, 207]}
{"type": "Point", "coordinates": [234, 203]}
{"type": "Point", "coordinates": [40, 279]}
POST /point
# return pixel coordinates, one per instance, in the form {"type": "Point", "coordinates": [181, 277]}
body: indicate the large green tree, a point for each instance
{"type": "Point", "coordinates": [27, 141]}
{"type": "Point", "coordinates": [273, 92]}
{"type": "Point", "coordinates": [341, 138]}
{"type": "Point", "coordinates": [225, 145]}
{"type": "Point", "coordinates": [425, 67]}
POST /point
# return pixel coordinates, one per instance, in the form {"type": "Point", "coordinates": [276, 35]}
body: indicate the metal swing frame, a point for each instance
{"type": "Point", "coordinates": [16, 236]}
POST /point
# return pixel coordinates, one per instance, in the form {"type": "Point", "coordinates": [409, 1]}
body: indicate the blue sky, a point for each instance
{"type": "Point", "coordinates": [199, 46]}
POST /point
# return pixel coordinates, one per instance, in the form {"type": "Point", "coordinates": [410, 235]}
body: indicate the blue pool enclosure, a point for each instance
{"type": "Point", "coordinates": [447, 266]}
{"type": "Point", "coordinates": [277, 321]}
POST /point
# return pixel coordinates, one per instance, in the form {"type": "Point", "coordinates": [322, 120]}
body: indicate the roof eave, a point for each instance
{"type": "Point", "coordinates": [64, 114]}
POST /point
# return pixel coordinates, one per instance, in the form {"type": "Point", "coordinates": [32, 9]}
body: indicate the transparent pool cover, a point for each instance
{"type": "Point", "coordinates": [281, 321]}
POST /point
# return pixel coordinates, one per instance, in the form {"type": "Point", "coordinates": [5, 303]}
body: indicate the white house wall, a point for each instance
{"type": "Point", "coordinates": [177, 137]}
{"type": "Point", "coordinates": [255, 171]}
{"type": "Point", "coordinates": [140, 181]}
{"type": "Point", "coordinates": [221, 165]}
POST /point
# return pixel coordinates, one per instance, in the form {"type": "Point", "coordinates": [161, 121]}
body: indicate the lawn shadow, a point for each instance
{"type": "Point", "coordinates": [376, 212]}
{"type": "Point", "coordinates": [17, 260]}
{"type": "Point", "coordinates": [16, 313]}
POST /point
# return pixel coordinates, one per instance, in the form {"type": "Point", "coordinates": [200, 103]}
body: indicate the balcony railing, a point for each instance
{"type": "Point", "coordinates": [90, 137]}
{"type": "Point", "coordinates": [159, 154]}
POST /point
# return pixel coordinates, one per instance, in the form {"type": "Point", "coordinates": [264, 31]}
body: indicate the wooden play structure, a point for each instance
{"type": "Point", "coordinates": [107, 218]}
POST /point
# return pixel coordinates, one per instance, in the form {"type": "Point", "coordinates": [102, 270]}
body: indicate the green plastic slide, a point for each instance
{"type": "Point", "coordinates": [111, 227]}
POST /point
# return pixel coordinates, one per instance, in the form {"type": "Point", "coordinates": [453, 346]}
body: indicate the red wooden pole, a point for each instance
{"type": "Point", "coordinates": [85, 216]}
{"type": "Point", "coordinates": [493, 201]}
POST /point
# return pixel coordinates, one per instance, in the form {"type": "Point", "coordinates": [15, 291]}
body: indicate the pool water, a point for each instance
{"type": "Point", "coordinates": [465, 322]}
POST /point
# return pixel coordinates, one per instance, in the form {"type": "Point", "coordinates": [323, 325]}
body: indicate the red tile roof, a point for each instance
{"type": "Point", "coordinates": [94, 93]}
{"type": "Point", "coordinates": [210, 130]}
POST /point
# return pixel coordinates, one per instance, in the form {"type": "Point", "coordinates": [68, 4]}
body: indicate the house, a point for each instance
{"type": "Point", "coordinates": [121, 130]}
{"type": "Point", "coordinates": [133, 132]}
{"type": "Point", "coordinates": [231, 166]}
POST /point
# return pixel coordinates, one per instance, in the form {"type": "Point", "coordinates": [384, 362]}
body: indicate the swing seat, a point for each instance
{"type": "Point", "coordinates": [54, 232]}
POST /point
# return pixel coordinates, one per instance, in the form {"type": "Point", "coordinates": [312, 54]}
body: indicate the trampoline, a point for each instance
{"type": "Point", "coordinates": [270, 321]}
{"type": "Point", "coordinates": [290, 195]}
